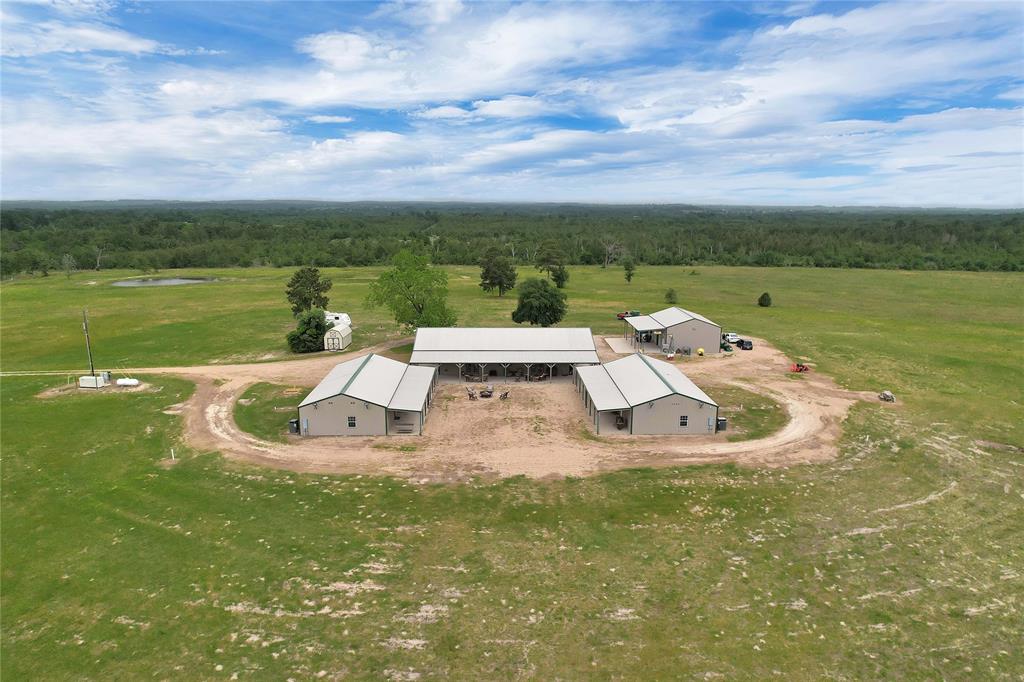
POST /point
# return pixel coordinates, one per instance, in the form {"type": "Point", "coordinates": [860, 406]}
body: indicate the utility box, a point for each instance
{"type": "Point", "coordinates": [91, 381]}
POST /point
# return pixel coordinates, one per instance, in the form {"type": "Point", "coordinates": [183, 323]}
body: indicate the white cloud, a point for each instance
{"type": "Point", "coordinates": [330, 119]}
{"type": "Point", "coordinates": [513, 106]}
{"type": "Point", "coordinates": [443, 112]}
{"type": "Point", "coordinates": [27, 40]}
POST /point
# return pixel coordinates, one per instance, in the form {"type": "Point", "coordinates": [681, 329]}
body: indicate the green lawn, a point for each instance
{"type": "Point", "coordinates": [946, 343]}
{"type": "Point", "coordinates": [902, 559]}
{"type": "Point", "coordinates": [264, 409]}
{"type": "Point", "coordinates": [750, 415]}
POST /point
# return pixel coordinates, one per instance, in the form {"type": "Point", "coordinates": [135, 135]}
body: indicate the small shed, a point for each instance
{"type": "Point", "coordinates": [338, 338]}
{"type": "Point", "coordinates": [369, 396]}
{"type": "Point", "coordinates": [642, 395]}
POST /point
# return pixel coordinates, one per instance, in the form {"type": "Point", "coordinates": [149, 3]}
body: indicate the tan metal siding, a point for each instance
{"type": "Point", "coordinates": [330, 418]}
{"type": "Point", "coordinates": [661, 417]}
{"type": "Point", "coordinates": [696, 334]}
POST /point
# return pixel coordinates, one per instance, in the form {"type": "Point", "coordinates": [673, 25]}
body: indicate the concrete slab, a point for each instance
{"type": "Point", "coordinates": [619, 345]}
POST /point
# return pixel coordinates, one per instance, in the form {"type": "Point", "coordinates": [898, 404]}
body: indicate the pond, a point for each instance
{"type": "Point", "coordinates": [161, 282]}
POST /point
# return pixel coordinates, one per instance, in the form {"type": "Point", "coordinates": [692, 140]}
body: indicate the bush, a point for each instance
{"type": "Point", "coordinates": [670, 297]}
{"type": "Point", "coordinates": [308, 336]}
{"type": "Point", "coordinates": [765, 301]}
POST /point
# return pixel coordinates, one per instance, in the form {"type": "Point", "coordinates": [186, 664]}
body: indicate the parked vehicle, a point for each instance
{"type": "Point", "coordinates": [731, 337]}
{"type": "Point", "coordinates": [627, 313]}
{"type": "Point", "coordinates": [744, 344]}
{"type": "Point", "coordinates": [726, 347]}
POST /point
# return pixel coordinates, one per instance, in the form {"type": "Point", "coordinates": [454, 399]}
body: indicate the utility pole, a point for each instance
{"type": "Point", "coordinates": [88, 346]}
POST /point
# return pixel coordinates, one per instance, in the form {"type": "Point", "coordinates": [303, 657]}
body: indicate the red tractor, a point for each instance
{"type": "Point", "coordinates": [799, 367]}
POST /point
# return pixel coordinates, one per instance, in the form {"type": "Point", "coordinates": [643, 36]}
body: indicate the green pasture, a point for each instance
{"type": "Point", "coordinates": [901, 559]}
{"type": "Point", "coordinates": [949, 344]}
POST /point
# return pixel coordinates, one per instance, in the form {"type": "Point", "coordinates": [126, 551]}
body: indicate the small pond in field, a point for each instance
{"type": "Point", "coordinates": [161, 282]}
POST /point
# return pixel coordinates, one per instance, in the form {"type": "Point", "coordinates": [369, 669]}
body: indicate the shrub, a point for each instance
{"type": "Point", "coordinates": [308, 335]}
{"type": "Point", "coordinates": [765, 301]}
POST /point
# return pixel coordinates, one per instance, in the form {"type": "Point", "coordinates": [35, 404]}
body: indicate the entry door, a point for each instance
{"type": "Point", "coordinates": [333, 342]}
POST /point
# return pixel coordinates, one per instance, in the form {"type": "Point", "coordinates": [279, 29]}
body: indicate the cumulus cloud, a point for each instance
{"type": "Point", "coordinates": [542, 101]}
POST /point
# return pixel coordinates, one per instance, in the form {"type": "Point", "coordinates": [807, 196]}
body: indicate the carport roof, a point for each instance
{"type": "Point", "coordinates": [644, 323]}
{"type": "Point", "coordinates": [447, 345]}
{"type": "Point", "coordinates": [377, 380]}
{"type": "Point", "coordinates": [639, 379]}
{"type": "Point", "coordinates": [601, 388]}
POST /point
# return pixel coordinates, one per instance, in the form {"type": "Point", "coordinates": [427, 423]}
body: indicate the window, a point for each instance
{"type": "Point", "coordinates": [683, 419]}
{"type": "Point", "coordinates": [351, 422]}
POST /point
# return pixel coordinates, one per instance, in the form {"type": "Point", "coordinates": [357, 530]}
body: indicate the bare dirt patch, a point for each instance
{"type": "Point", "coordinates": [542, 431]}
{"type": "Point", "coordinates": [73, 389]}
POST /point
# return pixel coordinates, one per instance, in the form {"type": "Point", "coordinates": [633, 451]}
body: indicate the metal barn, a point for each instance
{"type": "Point", "coordinates": [673, 330]}
{"type": "Point", "coordinates": [369, 396]}
{"type": "Point", "coordinates": [643, 395]}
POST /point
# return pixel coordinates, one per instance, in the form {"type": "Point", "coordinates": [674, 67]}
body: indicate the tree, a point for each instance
{"type": "Point", "coordinates": [612, 249]}
{"type": "Point", "coordinates": [68, 264]}
{"type": "Point", "coordinates": [670, 296]}
{"type": "Point", "coordinates": [629, 268]}
{"type": "Point", "coordinates": [551, 258]}
{"type": "Point", "coordinates": [308, 335]}
{"type": "Point", "coordinates": [306, 290]}
{"type": "Point", "coordinates": [98, 249]}
{"type": "Point", "coordinates": [765, 300]}
{"type": "Point", "coordinates": [415, 292]}
{"type": "Point", "coordinates": [497, 272]}
{"type": "Point", "coordinates": [560, 276]}
{"type": "Point", "coordinates": [539, 303]}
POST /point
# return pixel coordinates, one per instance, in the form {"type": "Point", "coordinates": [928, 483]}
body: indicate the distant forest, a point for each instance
{"type": "Point", "coordinates": [39, 236]}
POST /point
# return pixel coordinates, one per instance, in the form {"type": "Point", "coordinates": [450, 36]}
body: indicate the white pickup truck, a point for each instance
{"type": "Point", "coordinates": [731, 337]}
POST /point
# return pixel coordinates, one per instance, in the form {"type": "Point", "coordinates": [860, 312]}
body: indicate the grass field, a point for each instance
{"type": "Point", "coordinates": [945, 342]}
{"type": "Point", "coordinates": [902, 559]}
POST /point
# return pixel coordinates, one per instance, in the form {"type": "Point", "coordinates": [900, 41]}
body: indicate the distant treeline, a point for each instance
{"type": "Point", "coordinates": [37, 237]}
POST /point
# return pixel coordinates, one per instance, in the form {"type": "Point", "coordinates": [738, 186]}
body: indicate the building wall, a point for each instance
{"type": "Point", "coordinates": [330, 418]}
{"type": "Point", "coordinates": [662, 416]}
{"type": "Point", "coordinates": [344, 340]}
{"type": "Point", "coordinates": [696, 334]}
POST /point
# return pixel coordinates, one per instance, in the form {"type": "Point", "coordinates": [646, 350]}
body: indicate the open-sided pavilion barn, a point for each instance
{"type": "Point", "coordinates": [674, 330]}
{"type": "Point", "coordinates": [643, 395]}
{"type": "Point", "coordinates": [517, 353]}
{"type": "Point", "coordinates": [368, 396]}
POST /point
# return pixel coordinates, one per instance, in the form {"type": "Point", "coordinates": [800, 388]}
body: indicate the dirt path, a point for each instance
{"type": "Point", "coordinates": [541, 432]}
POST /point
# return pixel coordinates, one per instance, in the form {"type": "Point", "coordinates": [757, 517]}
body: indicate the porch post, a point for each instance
{"type": "Point", "coordinates": [528, 366]}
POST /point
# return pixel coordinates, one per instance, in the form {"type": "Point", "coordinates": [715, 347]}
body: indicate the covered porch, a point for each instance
{"type": "Point", "coordinates": [504, 372]}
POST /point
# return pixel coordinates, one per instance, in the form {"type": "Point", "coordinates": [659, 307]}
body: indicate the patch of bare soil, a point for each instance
{"type": "Point", "coordinates": [541, 431]}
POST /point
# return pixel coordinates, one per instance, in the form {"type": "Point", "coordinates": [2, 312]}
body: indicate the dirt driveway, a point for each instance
{"type": "Point", "coordinates": [540, 432]}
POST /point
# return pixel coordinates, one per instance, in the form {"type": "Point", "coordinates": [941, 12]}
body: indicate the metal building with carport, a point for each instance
{"type": "Point", "coordinates": [504, 353]}
{"type": "Point", "coordinates": [644, 395]}
{"type": "Point", "coordinates": [369, 396]}
{"type": "Point", "coordinates": [674, 329]}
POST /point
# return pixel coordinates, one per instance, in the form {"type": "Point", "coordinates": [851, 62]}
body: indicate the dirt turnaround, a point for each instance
{"type": "Point", "coordinates": [542, 431]}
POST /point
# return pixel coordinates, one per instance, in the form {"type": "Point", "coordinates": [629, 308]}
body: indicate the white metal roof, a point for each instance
{"type": "Point", "coordinates": [601, 388]}
{"type": "Point", "coordinates": [538, 357]}
{"type": "Point", "coordinates": [412, 389]}
{"type": "Point", "coordinates": [640, 379]}
{"type": "Point", "coordinates": [644, 323]}
{"type": "Point", "coordinates": [504, 345]}
{"type": "Point", "coordinates": [342, 329]}
{"type": "Point", "coordinates": [332, 384]}
{"type": "Point", "coordinates": [374, 379]}
{"type": "Point", "coordinates": [669, 317]}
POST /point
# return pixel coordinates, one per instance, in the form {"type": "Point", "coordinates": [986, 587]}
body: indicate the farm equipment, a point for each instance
{"type": "Point", "coordinates": [887, 397]}
{"type": "Point", "coordinates": [799, 367]}
{"type": "Point", "coordinates": [627, 313]}
{"type": "Point", "coordinates": [726, 347]}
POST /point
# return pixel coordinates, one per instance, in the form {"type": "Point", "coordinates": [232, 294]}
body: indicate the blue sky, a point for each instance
{"type": "Point", "coordinates": [912, 104]}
